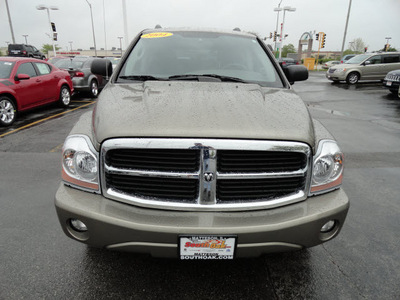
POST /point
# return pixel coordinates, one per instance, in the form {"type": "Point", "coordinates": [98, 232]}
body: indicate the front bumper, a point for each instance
{"type": "Point", "coordinates": [391, 85]}
{"type": "Point", "coordinates": [119, 226]}
{"type": "Point", "coordinates": [336, 76]}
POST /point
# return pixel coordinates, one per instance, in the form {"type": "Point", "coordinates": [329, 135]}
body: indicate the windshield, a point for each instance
{"type": "Point", "coordinates": [200, 53]}
{"type": "Point", "coordinates": [69, 64]}
{"type": "Point", "coordinates": [5, 69]}
{"type": "Point", "coordinates": [358, 59]}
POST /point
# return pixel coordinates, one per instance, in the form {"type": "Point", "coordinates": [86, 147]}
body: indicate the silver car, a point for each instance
{"type": "Point", "coordinates": [82, 78]}
{"type": "Point", "coordinates": [369, 66]}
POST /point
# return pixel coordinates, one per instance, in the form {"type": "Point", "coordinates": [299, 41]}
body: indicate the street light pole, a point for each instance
{"type": "Point", "coordinates": [345, 29]}
{"type": "Point", "coordinates": [286, 8]}
{"type": "Point", "coordinates": [26, 40]}
{"type": "Point", "coordinates": [44, 7]}
{"type": "Point", "coordinates": [120, 43]}
{"type": "Point", "coordinates": [9, 21]}
{"type": "Point", "coordinates": [277, 9]}
{"type": "Point", "coordinates": [94, 37]}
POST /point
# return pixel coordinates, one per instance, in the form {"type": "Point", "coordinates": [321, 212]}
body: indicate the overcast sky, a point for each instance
{"type": "Point", "coordinates": [370, 20]}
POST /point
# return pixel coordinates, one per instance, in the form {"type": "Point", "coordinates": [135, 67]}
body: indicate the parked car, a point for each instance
{"type": "Point", "coordinates": [392, 82]}
{"type": "Point", "coordinates": [329, 64]}
{"type": "Point", "coordinates": [287, 61]}
{"type": "Point", "coordinates": [199, 148]}
{"type": "Point", "coordinates": [114, 60]}
{"type": "Point", "coordinates": [82, 78]}
{"type": "Point", "coordinates": [26, 83]}
{"type": "Point", "coordinates": [346, 58]}
{"type": "Point", "coordinates": [22, 50]}
{"type": "Point", "coordinates": [369, 66]}
{"type": "Point", "coordinates": [55, 59]}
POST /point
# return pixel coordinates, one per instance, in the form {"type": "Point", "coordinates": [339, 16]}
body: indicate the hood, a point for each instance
{"type": "Point", "coordinates": [394, 72]}
{"type": "Point", "coordinates": [201, 110]}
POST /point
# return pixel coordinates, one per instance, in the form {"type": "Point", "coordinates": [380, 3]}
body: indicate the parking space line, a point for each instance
{"type": "Point", "coordinates": [45, 119]}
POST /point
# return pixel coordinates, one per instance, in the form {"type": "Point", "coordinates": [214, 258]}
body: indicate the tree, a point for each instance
{"type": "Point", "coordinates": [391, 49]}
{"type": "Point", "coordinates": [47, 47]}
{"type": "Point", "coordinates": [288, 49]}
{"type": "Point", "coordinates": [357, 45]}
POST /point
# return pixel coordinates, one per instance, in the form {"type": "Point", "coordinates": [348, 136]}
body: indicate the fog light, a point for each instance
{"type": "Point", "coordinates": [328, 226]}
{"type": "Point", "coordinates": [78, 225]}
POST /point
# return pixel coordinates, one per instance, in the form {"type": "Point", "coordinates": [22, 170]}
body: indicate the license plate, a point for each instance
{"type": "Point", "coordinates": [207, 247]}
{"type": "Point", "coordinates": [388, 83]}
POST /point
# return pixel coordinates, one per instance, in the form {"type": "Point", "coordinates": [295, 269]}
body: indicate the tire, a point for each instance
{"type": "Point", "coordinates": [352, 78]}
{"type": "Point", "coordinates": [8, 111]}
{"type": "Point", "coordinates": [94, 88]}
{"type": "Point", "coordinates": [65, 96]}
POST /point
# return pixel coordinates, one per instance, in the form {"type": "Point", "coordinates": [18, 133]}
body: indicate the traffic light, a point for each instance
{"type": "Point", "coordinates": [323, 40]}
{"type": "Point", "coordinates": [274, 36]}
{"type": "Point", "coordinates": [53, 26]}
{"type": "Point", "coordinates": [54, 36]}
{"type": "Point", "coordinates": [270, 35]}
{"type": "Point", "coordinates": [365, 49]}
{"type": "Point", "coordinates": [317, 37]}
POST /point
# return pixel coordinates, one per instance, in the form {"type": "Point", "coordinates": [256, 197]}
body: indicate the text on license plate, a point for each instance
{"type": "Point", "coordinates": [207, 247]}
{"type": "Point", "coordinates": [388, 83]}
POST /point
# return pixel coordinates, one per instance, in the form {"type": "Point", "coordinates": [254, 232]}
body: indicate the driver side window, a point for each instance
{"type": "Point", "coordinates": [375, 59]}
{"type": "Point", "coordinates": [27, 68]}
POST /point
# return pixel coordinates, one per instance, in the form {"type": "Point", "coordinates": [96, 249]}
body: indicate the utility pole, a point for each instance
{"type": "Point", "coordinates": [345, 29]}
{"type": "Point", "coordinates": [9, 21]}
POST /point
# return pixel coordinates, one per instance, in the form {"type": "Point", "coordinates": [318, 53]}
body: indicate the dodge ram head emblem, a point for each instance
{"type": "Point", "coordinates": [208, 176]}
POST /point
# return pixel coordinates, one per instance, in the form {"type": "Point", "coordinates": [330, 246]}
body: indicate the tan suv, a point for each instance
{"type": "Point", "coordinates": [369, 66]}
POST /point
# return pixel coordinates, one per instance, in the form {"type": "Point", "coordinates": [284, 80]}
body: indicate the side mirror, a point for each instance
{"type": "Point", "coordinates": [366, 63]}
{"type": "Point", "coordinates": [20, 77]}
{"type": "Point", "coordinates": [102, 67]}
{"type": "Point", "coordinates": [295, 73]}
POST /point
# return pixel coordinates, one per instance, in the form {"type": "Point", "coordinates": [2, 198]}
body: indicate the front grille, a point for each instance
{"type": "Point", "coordinates": [205, 174]}
{"type": "Point", "coordinates": [175, 160]}
{"type": "Point", "coordinates": [391, 77]}
{"type": "Point", "coordinates": [237, 161]}
{"type": "Point", "coordinates": [229, 191]}
{"type": "Point", "coordinates": [159, 189]}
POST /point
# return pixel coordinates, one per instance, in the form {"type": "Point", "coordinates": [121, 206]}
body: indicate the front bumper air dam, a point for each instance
{"type": "Point", "coordinates": [118, 226]}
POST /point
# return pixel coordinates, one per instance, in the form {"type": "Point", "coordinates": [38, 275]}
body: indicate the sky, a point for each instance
{"type": "Point", "coordinates": [370, 20]}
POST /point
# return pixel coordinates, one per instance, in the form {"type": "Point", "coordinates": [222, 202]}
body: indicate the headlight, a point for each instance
{"type": "Point", "coordinates": [80, 163]}
{"type": "Point", "coordinates": [327, 168]}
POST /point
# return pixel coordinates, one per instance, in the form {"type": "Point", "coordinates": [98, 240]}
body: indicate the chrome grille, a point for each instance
{"type": "Point", "coordinates": [205, 174]}
{"type": "Point", "coordinates": [391, 77]}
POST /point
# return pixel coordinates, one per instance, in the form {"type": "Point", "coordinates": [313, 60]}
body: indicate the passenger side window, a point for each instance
{"type": "Point", "coordinates": [27, 68]}
{"type": "Point", "coordinates": [44, 69]}
{"type": "Point", "coordinates": [388, 59]}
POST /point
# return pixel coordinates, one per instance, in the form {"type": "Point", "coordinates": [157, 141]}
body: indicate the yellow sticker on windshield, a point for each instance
{"type": "Point", "coordinates": [155, 35]}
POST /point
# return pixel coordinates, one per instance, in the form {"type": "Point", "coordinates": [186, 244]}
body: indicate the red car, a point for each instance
{"type": "Point", "coordinates": [26, 83]}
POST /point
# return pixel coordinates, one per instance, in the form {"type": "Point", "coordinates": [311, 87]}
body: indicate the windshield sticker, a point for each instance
{"type": "Point", "coordinates": [155, 35]}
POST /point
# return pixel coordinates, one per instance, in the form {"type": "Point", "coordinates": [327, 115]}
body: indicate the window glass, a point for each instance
{"type": "Point", "coordinates": [5, 69]}
{"type": "Point", "coordinates": [43, 68]}
{"type": "Point", "coordinates": [387, 59]}
{"type": "Point", "coordinates": [27, 68]}
{"type": "Point", "coordinates": [377, 59]}
{"type": "Point", "coordinates": [201, 53]}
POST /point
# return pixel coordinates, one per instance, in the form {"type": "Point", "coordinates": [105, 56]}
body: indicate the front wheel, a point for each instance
{"type": "Point", "coordinates": [8, 111]}
{"type": "Point", "coordinates": [94, 89]}
{"type": "Point", "coordinates": [65, 96]}
{"type": "Point", "coordinates": [352, 78]}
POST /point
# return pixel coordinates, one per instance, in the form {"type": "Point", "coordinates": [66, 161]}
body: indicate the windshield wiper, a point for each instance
{"type": "Point", "coordinates": [203, 77]}
{"type": "Point", "coordinates": [141, 77]}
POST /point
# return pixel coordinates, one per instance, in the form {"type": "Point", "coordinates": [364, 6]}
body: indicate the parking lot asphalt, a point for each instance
{"type": "Point", "coordinates": [39, 262]}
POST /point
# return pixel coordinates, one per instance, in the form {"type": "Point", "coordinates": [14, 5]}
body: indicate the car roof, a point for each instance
{"type": "Point", "coordinates": [235, 31]}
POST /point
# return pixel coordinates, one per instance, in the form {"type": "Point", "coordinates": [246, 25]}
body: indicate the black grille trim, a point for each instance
{"type": "Point", "coordinates": [174, 160]}
{"type": "Point", "coordinates": [238, 161]}
{"type": "Point", "coordinates": [233, 190]}
{"type": "Point", "coordinates": [162, 189]}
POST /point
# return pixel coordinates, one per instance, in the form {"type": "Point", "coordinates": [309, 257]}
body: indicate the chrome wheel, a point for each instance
{"type": "Point", "coordinates": [65, 97]}
{"type": "Point", "coordinates": [352, 78]}
{"type": "Point", "coordinates": [7, 111]}
{"type": "Point", "coordinates": [94, 89]}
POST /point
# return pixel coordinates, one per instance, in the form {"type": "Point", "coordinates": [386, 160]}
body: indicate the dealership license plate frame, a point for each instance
{"type": "Point", "coordinates": [206, 251]}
